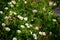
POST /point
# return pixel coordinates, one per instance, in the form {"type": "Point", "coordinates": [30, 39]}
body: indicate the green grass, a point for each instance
{"type": "Point", "coordinates": [40, 17]}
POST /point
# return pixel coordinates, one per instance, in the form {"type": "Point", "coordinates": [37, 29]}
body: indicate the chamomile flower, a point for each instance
{"type": "Point", "coordinates": [10, 12]}
{"type": "Point", "coordinates": [7, 28]}
{"type": "Point", "coordinates": [42, 33]}
{"type": "Point", "coordinates": [6, 8]}
{"type": "Point", "coordinates": [18, 31]}
{"type": "Point", "coordinates": [50, 33]}
{"type": "Point", "coordinates": [54, 20]}
{"type": "Point", "coordinates": [14, 38]}
{"type": "Point", "coordinates": [3, 24]}
{"type": "Point", "coordinates": [34, 11]}
{"type": "Point", "coordinates": [50, 3]}
{"type": "Point", "coordinates": [1, 12]}
{"type": "Point", "coordinates": [34, 36]}
{"type": "Point", "coordinates": [25, 2]}
{"type": "Point", "coordinates": [20, 17]}
{"type": "Point", "coordinates": [22, 26]}
{"type": "Point", "coordinates": [54, 4]}
{"type": "Point", "coordinates": [6, 17]}
{"type": "Point", "coordinates": [14, 2]}
{"type": "Point", "coordinates": [25, 18]}
{"type": "Point", "coordinates": [15, 13]}
{"type": "Point", "coordinates": [36, 28]}
{"type": "Point", "coordinates": [44, 9]}
{"type": "Point", "coordinates": [26, 24]}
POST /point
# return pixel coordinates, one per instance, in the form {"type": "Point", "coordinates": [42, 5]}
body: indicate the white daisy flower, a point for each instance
{"type": "Point", "coordinates": [44, 34]}
{"type": "Point", "coordinates": [15, 13]}
{"type": "Point", "coordinates": [12, 5]}
{"type": "Point", "coordinates": [9, 3]}
{"type": "Point", "coordinates": [36, 28]}
{"type": "Point", "coordinates": [30, 25]}
{"type": "Point", "coordinates": [18, 31]}
{"type": "Point", "coordinates": [14, 2]}
{"type": "Point", "coordinates": [50, 33]}
{"type": "Point", "coordinates": [25, 2]}
{"type": "Point", "coordinates": [44, 9]}
{"type": "Point", "coordinates": [6, 17]}
{"type": "Point", "coordinates": [55, 4]}
{"type": "Point", "coordinates": [50, 3]}
{"type": "Point", "coordinates": [10, 12]}
{"type": "Point", "coordinates": [20, 17]}
{"type": "Point", "coordinates": [3, 24]}
{"type": "Point", "coordinates": [54, 20]}
{"type": "Point", "coordinates": [22, 26]}
{"type": "Point", "coordinates": [6, 8]}
{"type": "Point", "coordinates": [34, 11]}
{"type": "Point", "coordinates": [7, 28]}
{"type": "Point", "coordinates": [40, 33]}
{"type": "Point", "coordinates": [26, 24]}
{"type": "Point", "coordinates": [25, 18]}
{"type": "Point", "coordinates": [14, 38]}
{"type": "Point", "coordinates": [35, 36]}
{"type": "Point", "coordinates": [31, 32]}
{"type": "Point", "coordinates": [1, 12]}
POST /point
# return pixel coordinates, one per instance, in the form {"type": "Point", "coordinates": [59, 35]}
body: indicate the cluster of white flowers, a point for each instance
{"type": "Point", "coordinates": [34, 36]}
{"type": "Point", "coordinates": [54, 20]}
{"type": "Point", "coordinates": [12, 3]}
{"type": "Point", "coordinates": [20, 17]}
{"type": "Point", "coordinates": [18, 31]}
{"type": "Point", "coordinates": [14, 38]}
{"type": "Point", "coordinates": [12, 12]}
{"type": "Point", "coordinates": [1, 12]}
{"type": "Point", "coordinates": [51, 3]}
{"type": "Point", "coordinates": [22, 26]}
{"type": "Point", "coordinates": [42, 33]}
{"type": "Point", "coordinates": [34, 11]}
{"type": "Point", "coordinates": [3, 24]}
{"type": "Point", "coordinates": [28, 25]}
{"type": "Point", "coordinates": [7, 29]}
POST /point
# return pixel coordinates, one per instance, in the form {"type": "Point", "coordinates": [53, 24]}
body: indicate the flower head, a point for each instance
{"type": "Point", "coordinates": [25, 18]}
{"type": "Point", "coordinates": [50, 3]}
{"type": "Point", "coordinates": [1, 12]}
{"type": "Point", "coordinates": [22, 26]}
{"type": "Point", "coordinates": [34, 11]}
{"type": "Point", "coordinates": [18, 31]}
{"type": "Point", "coordinates": [3, 24]}
{"type": "Point", "coordinates": [35, 36]}
{"type": "Point", "coordinates": [7, 28]}
{"type": "Point", "coordinates": [54, 20]}
{"type": "Point", "coordinates": [14, 38]}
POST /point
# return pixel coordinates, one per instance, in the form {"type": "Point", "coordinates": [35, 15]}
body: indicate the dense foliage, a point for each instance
{"type": "Point", "coordinates": [29, 20]}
